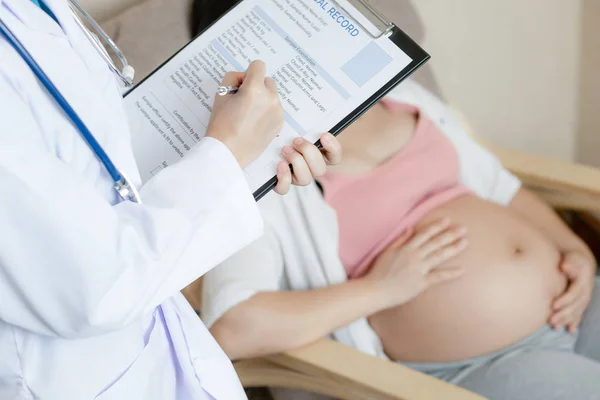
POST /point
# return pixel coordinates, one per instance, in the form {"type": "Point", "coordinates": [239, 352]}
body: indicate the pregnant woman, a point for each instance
{"type": "Point", "coordinates": [460, 272]}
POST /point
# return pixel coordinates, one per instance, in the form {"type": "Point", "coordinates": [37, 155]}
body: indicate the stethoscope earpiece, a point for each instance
{"type": "Point", "coordinates": [128, 73]}
{"type": "Point", "coordinates": [125, 73]}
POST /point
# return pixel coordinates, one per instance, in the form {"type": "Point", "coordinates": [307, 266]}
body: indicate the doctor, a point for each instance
{"type": "Point", "coordinates": [89, 283]}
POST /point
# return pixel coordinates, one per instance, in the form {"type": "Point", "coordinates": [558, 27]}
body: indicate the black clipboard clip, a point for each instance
{"type": "Point", "coordinates": [384, 26]}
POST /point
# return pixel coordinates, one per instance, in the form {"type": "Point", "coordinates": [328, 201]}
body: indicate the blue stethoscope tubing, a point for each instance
{"type": "Point", "coordinates": [122, 185]}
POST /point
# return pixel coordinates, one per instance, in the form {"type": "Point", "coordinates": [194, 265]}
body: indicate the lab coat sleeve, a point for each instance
{"type": "Point", "coordinates": [72, 265]}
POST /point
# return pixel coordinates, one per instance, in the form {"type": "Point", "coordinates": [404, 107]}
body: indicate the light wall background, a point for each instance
{"type": "Point", "coordinates": [512, 67]}
{"type": "Point", "coordinates": [588, 143]}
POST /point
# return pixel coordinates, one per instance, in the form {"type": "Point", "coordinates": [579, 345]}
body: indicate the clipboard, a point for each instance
{"type": "Point", "coordinates": [381, 23]}
{"type": "Point", "coordinates": [385, 28]}
{"type": "Point", "coordinates": [382, 29]}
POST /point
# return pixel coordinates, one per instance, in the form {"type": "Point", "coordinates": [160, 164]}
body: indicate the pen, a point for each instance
{"type": "Point", "coordinates": [225, 90]}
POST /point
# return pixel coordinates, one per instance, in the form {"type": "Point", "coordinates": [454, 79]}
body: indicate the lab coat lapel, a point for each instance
{"type": "Point", "coordinates": [62, 11]}
{"type": "Point", "coordinates": [64, 54]}
{"type": "Point", "coordinates": [36, 19]}
{"type": "Point", "coordinates": [31, 16]}
{"type": "Point", "coordinates": [29, 23]}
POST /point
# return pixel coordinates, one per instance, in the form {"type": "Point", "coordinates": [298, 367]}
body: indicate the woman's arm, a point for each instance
{"type": "Point", "coordinates": [529, 206]}
{"type": "Point", "coordinates": [272, 322]}
{"type": "Point", "coordinates": [269, 323]}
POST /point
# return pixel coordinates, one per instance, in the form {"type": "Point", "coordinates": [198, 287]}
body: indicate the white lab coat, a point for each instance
{"type": "Point", "coordinates": [89, 287]}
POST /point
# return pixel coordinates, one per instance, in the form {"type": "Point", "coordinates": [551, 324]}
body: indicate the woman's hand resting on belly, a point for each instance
{"type": "Point", "coordinates": [512, 277]}
{"type": "Point", "coordinates": [416, 262]}
{"type": "Point", "coordinates": [277, 321]}
{"type": "Point", "coordinates": [569, 308]}
{"type": "Point", "coordinates": [577, 262]}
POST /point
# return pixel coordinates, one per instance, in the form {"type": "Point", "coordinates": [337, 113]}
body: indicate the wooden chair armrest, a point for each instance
{"type": "Point", "coordinates": [264, 373]}
{"type": "Point", "coordinates": [563, 184]}
{"type": "Point", "coordinates": [332, 369]}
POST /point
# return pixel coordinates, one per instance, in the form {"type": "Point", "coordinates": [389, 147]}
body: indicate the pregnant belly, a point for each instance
{"type": "Point", "coordinates": [505, 295]}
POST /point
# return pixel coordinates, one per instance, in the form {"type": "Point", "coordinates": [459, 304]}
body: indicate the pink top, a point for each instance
{"type": "Point", "coordinates": [375, 208]}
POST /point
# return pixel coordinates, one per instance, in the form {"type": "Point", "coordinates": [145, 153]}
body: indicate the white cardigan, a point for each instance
{"type": "Point", "coordinates": [299, 250]}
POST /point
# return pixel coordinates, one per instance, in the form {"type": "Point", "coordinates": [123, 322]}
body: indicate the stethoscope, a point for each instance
{"type": "Point", "coordinates": [122, 184]}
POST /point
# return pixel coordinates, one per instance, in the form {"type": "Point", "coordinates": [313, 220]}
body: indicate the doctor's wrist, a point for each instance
{"type": "Point", "coordinates": [230, 145]}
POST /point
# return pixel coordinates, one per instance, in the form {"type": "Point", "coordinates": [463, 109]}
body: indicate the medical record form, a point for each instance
{"type": "Point", "coordinates": [330, 59]}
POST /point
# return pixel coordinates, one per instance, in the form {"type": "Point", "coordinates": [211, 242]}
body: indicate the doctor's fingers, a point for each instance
{"type": "Point", "coordinates": [332, 149]}
{"type": "Point", "coordinates": [312, 156]}
{"type": "Point", "coordinates": [301, 174]}
{"type": "Point", "coordinates": [284, 178]}
{"type": "Point", "coordinates": [271, 85]}
{"type": "Point", "coordinates": [255, 74]}
{"type": "Point", "coordinates": [233, 79]}
{"type": "Point", "coordinates": [230, 79]}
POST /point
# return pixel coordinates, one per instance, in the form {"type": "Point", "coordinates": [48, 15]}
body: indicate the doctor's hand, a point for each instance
{"type": "Point", "coordinates": [246, 122]}
{"type": "Point", "coordinates": [307, 161]}
{"type": "Point", "coordinates": [416, 262]}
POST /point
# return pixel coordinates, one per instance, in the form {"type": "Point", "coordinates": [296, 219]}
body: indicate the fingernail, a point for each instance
{"type": "Point", "coordinates": [298, 141]}
{"type": "Point", "coordinates": [327, 139]}
{"type": "Point", "coordinates": [282, 167]}
{"type": "Point", "coordinates": [287, 150]}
